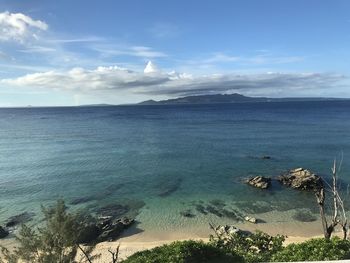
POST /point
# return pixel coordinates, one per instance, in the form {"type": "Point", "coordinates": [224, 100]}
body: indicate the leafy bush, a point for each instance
{"type": "Point", "coordinates": [315, 249]}
{"type": "Point", "coordinates": [55, 242]}
{"type": "Point", "coordinates": [186, 252]}
{"type": "Point", "coordinates": [254, 247]}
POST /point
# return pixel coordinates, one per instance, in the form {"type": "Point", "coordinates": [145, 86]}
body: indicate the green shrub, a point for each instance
{"type": "Point", "coordinates": [315, 249]}
{"type": "Point", "coordinates": [184, 252]}
{"type": "Point", "coordinates": [56, 241]}
{"type": "Point", "coordinates": [254, 247]}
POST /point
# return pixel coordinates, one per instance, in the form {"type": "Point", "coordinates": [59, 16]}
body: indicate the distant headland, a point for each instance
{"type": "Point", "coordinates": [227, 98]}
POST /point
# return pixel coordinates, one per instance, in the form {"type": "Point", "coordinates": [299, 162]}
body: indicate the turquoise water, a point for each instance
{"type": "Point", "coordinates": [166, 159]}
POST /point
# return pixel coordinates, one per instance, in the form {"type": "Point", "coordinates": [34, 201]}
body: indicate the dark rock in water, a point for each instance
{"type": "Point", "coordinates": [304, 215]}
{"type": "Point", "coordinates": [3, 232]}
{"type": "Point", "coordinates": [187, 213]}
{"type": "Point", "coordinates": [214, 211]}
{"type": "Point", "coordinates": [169, 187]}
{"type": "Point", "coordinates": [301, 179]}
{"type": "Point", "coordinates": [19, 219]}
{"type": "Point", "coordinates": [112, 210]}
{"type": "Point", "coordinates": [105, 229]}
{"type": "Point", "coordinates": [231, 214]}
{"type": "Point", "coordinates": [126, 207]}
{"type": "Point", "coordinates": [257, 207]}
{"type": "Point", "coordinates": [81, 200]}
{"type": "Point", "coordinates": [201, 209]}
{"type": "Point", "coordinates": [114, 187]}
{"type": "Point", "coordinates": [217, 203]}
{"type": "Point", "coordinates": [259, 182]}
{"type": "Point", "coordinates": [113, 230]}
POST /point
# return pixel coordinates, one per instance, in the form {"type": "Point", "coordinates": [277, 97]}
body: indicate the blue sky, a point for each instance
{"type": "Point", "coordinates": [82, 52]}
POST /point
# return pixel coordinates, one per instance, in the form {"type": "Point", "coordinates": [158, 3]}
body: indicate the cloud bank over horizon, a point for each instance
{"type": "Point", "coordinates": [155, 82]}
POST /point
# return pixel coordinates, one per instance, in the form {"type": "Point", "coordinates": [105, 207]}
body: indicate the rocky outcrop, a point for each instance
{"type": "Point", "coordinates": [113, 230]}
{"type": "Point", "coordinates": [259, 182]}
{"type": "Point", "coordinates": [250, 219]}
{"type": "Point", "coordinates": [301, 179]}
{"type": "Point", "coordinates": [227, 230]}
{"type": "Point", "coordinates": [3, 232]}
{"type": "Point", "coordinates": [105, 229]}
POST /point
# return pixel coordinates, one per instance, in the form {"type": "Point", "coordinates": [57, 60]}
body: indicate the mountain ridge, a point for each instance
{"type": "Point", "coordinates": [227, 98]}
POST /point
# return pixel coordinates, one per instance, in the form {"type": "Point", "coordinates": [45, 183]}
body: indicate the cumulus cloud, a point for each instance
{"type": "Point", "coordinates": [116, 79]}
{"type": "Point", "coordinates": [18, 27]}
{"type": "Point", "coordinates": [150, 68]}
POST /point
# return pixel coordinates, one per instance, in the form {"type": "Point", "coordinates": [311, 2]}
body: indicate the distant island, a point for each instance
{"type": "Point", "coordinates": [216, 99]}
{"type": "Point", "coordinates": [226, 98]}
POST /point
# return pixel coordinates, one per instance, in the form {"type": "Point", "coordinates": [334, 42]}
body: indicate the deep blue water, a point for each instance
{"type": "Point", "coordinates": [159, 153]}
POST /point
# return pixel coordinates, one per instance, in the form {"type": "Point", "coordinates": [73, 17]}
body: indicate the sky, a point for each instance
{"type": "Point", "coordinates": [56, 53]}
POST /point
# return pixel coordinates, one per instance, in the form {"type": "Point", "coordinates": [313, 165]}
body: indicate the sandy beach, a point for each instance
{"type": "Point", "coordinates": [147, 240]}
{"type": "Point", "coordinates": [131, 245]}
{"type": "Point", "coordinates": [133, 241]}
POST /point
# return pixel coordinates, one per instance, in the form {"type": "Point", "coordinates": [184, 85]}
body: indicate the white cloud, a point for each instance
{"type": "Point", "coordinates": [18, 27]}
{"type": "Point", "coordinates": [150, 68]}
{"type": "Point", "coordinates": [221, 57]}
{"type": "Point", "coordinates": [38, 49]}
{"type": "Point", "coordinates": [88, 39]}
{"type": "Point", "coordinates": [261, 59]}
{"type": "Point", "coordinates": [116, 80]}
{"type": "Point", "coordinates": [134, 51]}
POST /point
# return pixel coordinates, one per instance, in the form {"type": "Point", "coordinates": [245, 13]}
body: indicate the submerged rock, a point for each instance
{"type": "Point", "coordinates": [201, 209]}
{"type": "Point", "coordinates": [81, 200]}
{"type": "Point", "coordinates": [231, 214]}
{"type": "Point", "coordinates": [112, 210]}
{"type": "Point", "coordinates": [301, 179]}
{"type": "Point", "coordinates": [3, 232]}
{"type": "Point", "coordinates": [259, 182]}
{"type": "Point", "coordinates": [168, 188]}
{"type": "Point", "coordinates": [187, 213]}
{"type": "Point", "coordinates": [19, 219]}
{"type": "Point", "coordinates": [217, 203]}
{"type": "Point", "coordinates": [213, 210]}
{"type": "Point", "coordinates": [124, 207]}
{"type": "Point", "coordinates": [114, 187]}
{"type": "Point", "coordinates": [304, 215]}
{"type": "Point", "coordinates": [257, 207]}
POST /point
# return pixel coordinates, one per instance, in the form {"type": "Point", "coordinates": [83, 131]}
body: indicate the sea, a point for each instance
{"type": "Point", "coordinates": [171, 167]}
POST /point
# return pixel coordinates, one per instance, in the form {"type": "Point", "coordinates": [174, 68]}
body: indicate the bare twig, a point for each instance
{"type": "Point", "coordinates": [114, 254]}
{"type": "Point", "coordinates": [85, 254]}
{"type": "Point", "coordinates": [337, 203]}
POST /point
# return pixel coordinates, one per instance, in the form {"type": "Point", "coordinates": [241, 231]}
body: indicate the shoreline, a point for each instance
{"type": "Point", "coordinates": [131, 245]}
{"type": "Point", "coordinates": [131, 242]}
